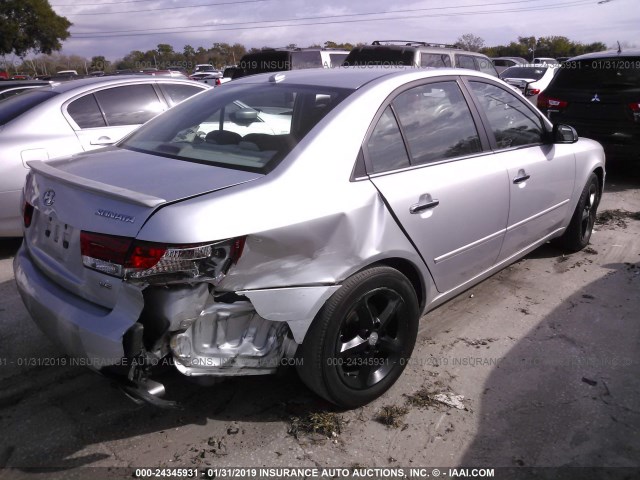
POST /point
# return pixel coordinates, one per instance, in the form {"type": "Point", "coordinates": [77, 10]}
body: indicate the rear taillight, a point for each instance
{"type": "Point", "coordinates": [635, 109]}
{"type": "Point", "coordinates": [145, 255]}
{"type": "Point", "coordinates": [104, 253]}
{"type": "Point", "coordinates": [132, 259]}
{"type": "Point", "coordinates": [532, 91]}
{"type": "Point", "coordinates": [551, 103]}
{"type": "Point", "coordinates": [27, 214]}
{"type": "Point", "coordinates": [218, 82]}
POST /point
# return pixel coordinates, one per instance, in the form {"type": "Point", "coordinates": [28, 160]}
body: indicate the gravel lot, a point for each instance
{"type": "Point", "coordinates": [545, 355]}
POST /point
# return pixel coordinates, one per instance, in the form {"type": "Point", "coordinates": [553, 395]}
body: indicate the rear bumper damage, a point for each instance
{"type": "Point", "coordinates": [254, 335]}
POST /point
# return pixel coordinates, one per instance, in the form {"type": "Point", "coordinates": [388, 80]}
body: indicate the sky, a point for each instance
{"type": "Point", "coordinates": [113, 28]}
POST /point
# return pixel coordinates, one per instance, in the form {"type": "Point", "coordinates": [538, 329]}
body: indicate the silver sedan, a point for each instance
{"type": "Point", "coordinates": [304, 218]}
{"type": "Point", "coordinates": [71, 117]}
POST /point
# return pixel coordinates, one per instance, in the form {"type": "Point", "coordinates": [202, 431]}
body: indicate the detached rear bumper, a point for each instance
{"type": "Point", "coordinates": [82, 329]}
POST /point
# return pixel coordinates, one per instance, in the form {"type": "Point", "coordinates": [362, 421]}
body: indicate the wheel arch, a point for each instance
{"type": "Point", "coordinates": [413, 274]}
{"type": "Point", "coordinates": [599, 171]}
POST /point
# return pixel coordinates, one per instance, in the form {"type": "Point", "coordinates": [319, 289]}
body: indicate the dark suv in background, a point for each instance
{"type": "Point", "coordinates": [418, 54]}
{"type": "Point", "coordinates": [283, 59]}
{"type": "Point", "coordinates": [599, 95]}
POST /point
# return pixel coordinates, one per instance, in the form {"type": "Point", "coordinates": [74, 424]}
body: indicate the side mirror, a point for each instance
{"type": "Point", "coordinates": [564, 134]}
{"type": "Point", "coordinates": [245, 116]}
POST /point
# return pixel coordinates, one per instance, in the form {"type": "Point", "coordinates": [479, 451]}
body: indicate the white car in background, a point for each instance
{"type": "Point", "coordinates": [531, 80]}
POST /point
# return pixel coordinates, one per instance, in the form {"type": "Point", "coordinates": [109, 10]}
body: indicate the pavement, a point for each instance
{"type": "Point", "coordinates": [536, 366]}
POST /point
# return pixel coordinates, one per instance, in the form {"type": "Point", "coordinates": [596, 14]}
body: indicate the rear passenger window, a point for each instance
{"type": "Point", "coordinates": [465, 61]}
{"type": "Point", "coordinates": [437, 123]}
{"type": "Point", "coordinates": [302, 60]}
{"type": "Point", "coordinates": [177, 92]}
{"type": "Point", "coordinates": [511, 121]}
{"type": "Point", "coordinates": [437, 60]}
{"type": "Point", "coordinates": [129, 105]}
{"type": "Point", "coordinates": [86, 113]}
{"type": "Point", "coordinates": [485, 66]}
{"type": "Point", "coordinates": [386, 147]}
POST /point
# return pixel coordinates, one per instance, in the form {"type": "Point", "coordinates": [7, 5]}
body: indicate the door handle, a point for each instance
{"type": "Point", "coordinates": [421, 207]}
{"type": "Point", "coordinates": [102, 141]}
{"type": "Point", "coordinates": [522, 177]}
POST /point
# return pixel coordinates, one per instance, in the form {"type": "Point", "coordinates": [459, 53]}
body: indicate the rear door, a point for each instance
{"type": "Point", "coordinates": [428, 160]}
{"type": "Point", "coordinates": [541, 175]}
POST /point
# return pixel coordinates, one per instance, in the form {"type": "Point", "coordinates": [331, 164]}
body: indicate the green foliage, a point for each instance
{"type": "Point", "coordinates": [470, 42]}
{"type": "Point", "coordinates": [552, 46]}
{"type": "Point", "coordinates": [30, 25]}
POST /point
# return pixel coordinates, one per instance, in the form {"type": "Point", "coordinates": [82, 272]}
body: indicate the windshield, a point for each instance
{"type": "Point", "coordinates": [16, 105]}
{"type": "Point", "coordinates": [600, 73]}
{"type": "Point", "coordinates": [245, 127]}
{"type": "Point", "coordinates": [534, 73]}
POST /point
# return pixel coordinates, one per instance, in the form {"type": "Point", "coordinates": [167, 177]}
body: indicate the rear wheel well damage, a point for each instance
{"type": "Point", "coordinates": [410, 271]}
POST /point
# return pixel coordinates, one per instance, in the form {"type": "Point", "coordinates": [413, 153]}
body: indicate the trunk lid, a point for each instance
{"type": "Point", "coordinates": [109, 192]}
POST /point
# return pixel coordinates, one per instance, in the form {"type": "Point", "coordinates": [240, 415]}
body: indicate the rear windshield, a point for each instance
{"type": "Point", "coordinates": [380, 56]}
{"type": "Point", "coordinates": [16, 105]}
{"type": "Point", "coordinates": [534, 73]}
{"type": "Point", "coordinates": [600, 73]}
{"type": "Point", "coordinates": [263, 62]}
{"type": "Point", "coordinates": [244, 127]}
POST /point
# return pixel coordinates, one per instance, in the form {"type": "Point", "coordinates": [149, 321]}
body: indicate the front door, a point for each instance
{"type": "Point", "coordinates": [427, 160]}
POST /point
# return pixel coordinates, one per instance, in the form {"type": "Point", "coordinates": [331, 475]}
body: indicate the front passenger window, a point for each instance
{"type": "Point", "coordinates": [511, 121]}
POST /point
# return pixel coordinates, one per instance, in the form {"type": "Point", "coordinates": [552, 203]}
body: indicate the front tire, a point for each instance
{"type": "Point", "coordinates": [359, 343]}
{"type": "Point", "coordinates": [579, 231]}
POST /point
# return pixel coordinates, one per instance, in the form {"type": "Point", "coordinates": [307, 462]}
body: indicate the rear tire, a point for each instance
{"type": "Point", "coordinates": [578, 232]}
{"type": "Point", "coordinates": [359, 343]}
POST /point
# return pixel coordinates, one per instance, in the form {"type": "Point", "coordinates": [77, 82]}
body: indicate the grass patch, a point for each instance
{"type": "Point", "coordinates": [324, 423]}
{"type": "Point", "coordinates": [391, 415]}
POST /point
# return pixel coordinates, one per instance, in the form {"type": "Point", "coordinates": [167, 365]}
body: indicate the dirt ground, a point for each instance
{"type": "Point", "coordinates": [545, 356]}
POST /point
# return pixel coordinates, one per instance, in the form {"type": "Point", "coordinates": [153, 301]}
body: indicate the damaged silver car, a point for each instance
{"type": "Point", "coordinates": [304, 217]}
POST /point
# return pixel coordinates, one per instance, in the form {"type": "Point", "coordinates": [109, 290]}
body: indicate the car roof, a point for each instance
{"type": "Point", "coordinates": [84, 83]}
{"type": "Point", "coordinates": [632, 52]}
{"type": "Point", "coordinates": [349, 77]}
{"type": "Point", "coordinates": [22, 83]}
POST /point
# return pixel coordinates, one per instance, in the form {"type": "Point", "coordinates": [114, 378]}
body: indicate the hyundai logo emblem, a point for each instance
{"type": "Point", "coordinates": [49, 197]}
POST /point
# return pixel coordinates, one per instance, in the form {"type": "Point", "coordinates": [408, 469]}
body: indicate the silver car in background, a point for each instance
{"type": "Point", "coordinates": [310, 215]}
{"type": "Point", "coordinates": [71, 117]}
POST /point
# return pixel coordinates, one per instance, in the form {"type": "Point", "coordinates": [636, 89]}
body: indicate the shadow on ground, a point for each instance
{"type": "Point", "coordinates": [567, 394]}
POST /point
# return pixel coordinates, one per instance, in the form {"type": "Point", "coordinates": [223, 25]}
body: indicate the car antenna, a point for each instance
{"type": "Point", "coordinates": [619, 47]}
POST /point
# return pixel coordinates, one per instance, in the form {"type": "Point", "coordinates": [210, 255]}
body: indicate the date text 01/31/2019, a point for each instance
{"type": "Point", "coordinates": [312, 472]}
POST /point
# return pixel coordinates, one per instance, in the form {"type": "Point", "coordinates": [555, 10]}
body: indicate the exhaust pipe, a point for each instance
{"type": "Point", "coordinates": [146, 391]}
